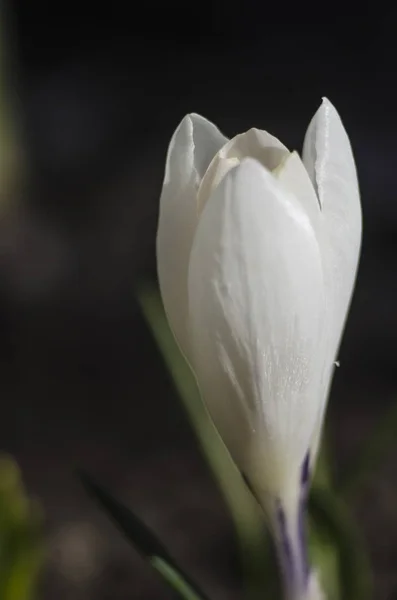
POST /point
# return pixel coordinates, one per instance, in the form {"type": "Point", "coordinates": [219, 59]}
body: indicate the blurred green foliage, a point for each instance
{"type": "Point", "coordinates": [21, 550]}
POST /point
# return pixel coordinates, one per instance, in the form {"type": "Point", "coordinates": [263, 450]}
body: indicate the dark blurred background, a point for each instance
{"type": "Point", "coordinates": [99, 90]}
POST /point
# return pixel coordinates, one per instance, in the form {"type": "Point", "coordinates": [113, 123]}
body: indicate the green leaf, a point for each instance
{"type": "Point", "coordinates": [174, 579]}
{"type": "Point", "coordinates": [335, 528]}
{"type": "Point", "coordinates": [144, 541]}
{"type": "Point", "coordinates": [246, 515]}
{"type": "Point", "coordinates": [21, 552]}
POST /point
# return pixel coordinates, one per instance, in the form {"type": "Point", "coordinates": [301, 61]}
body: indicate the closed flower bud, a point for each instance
{"type": "Point", "coordinates": [257, 252]}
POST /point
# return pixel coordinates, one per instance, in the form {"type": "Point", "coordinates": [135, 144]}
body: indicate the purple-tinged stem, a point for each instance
{"type": "Point", "coordinates": [291, 541]}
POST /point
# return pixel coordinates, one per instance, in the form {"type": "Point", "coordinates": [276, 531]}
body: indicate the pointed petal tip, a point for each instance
{"type": "Point", "coordinates": [185, 125]}
{"type": "Point", "coordinates": [182, 133]}
{"type": "Point", "coordinates": [326, 106]}
{"type": "Point", "coordinates": [326, 102]}
{"type": "Point", "coordinates": [322, 107]}
{"type": "Point", "coordinates": [180, 146]}
{"type": "Point", "coordinates": [193, 116]}
{"type": "Point", "coordinates": [197, 120]}
{"type": "Point", "coordinates": [186, 118]}
{"type": "Point", "coordinates": [192, 119]}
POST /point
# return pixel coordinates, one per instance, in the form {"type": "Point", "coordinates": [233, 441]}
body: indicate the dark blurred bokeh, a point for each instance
{"type": "Point", "coordinates": [100, 90]}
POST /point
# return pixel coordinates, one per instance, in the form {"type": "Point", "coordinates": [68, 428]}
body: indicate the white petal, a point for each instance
{"type": "Point", "coordinates": [266, 148]}
{"type": "Point", "coordinates": [328, 157]}
{"type": "Point", "coordinates": [293, 176]}
{"type": "Point", "coordinates": [192, 147]}
{"type": "Point", "coordinates": [256, 302]}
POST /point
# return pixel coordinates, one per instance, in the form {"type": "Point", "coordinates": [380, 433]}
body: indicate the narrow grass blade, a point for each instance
{"type": "Point", "coordinates": [144, 541]}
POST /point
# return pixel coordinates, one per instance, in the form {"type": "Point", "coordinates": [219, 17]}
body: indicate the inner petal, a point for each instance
{"type": "Point", "coordinates": [262, 146]}
{"type": "Point", "coordinates": [213, 178]}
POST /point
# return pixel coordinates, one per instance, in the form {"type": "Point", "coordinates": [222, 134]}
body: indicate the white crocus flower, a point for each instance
{"type": "Point", "coordinates": [257, 252]}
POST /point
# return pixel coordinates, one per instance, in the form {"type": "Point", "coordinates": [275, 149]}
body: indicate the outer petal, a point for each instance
{"type": "Point", "coordinates": [328, 157]}
{"type": "Point", "coordinates": [262, 146]}
{"type": "Point", "coordinates": [256, 300]}
{"type": "Point", "coordinates": [192, 147]}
